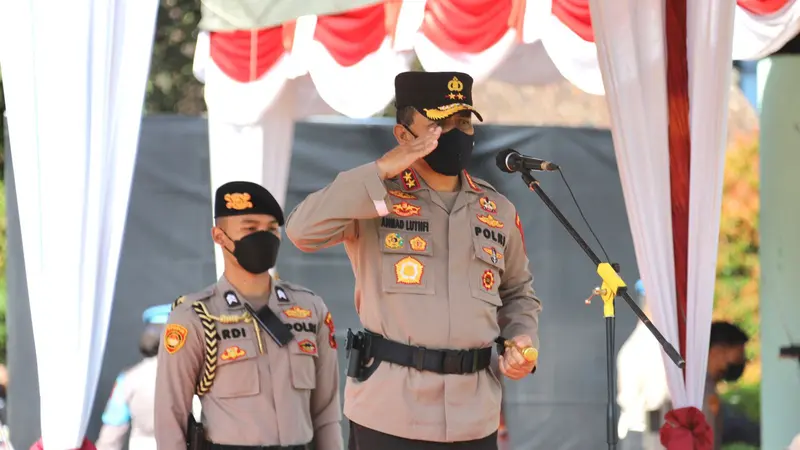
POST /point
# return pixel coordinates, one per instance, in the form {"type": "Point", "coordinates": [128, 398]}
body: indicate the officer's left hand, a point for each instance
{"type": "Point", "coordinates": [512, 363]}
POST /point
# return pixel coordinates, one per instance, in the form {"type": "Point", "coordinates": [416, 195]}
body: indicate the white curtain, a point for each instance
{"type": "Point", "coordinates": [74, 75]}
{"type": "Point", "coordinates": [631, 52]}
{"type": "Point", "coordinates": [755, 36]}
{"type": "Point", "coordinates": [256, 149]}
{"type": "Point", "coordinates": [709, 26]}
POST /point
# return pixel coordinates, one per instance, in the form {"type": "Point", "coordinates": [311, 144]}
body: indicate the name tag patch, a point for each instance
{"type": "Point", "coordinates": [418, 226]}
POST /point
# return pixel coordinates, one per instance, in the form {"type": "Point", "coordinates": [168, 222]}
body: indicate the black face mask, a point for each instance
{"type": "Point", "coordinates": [452, 154]}
{"type": "Point", "coordinates": [256, 252]}
{"type": "Point", "coordinates": [733, 372]}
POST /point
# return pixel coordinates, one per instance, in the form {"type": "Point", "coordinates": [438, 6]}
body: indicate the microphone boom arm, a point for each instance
{"type": "Point", "coordinates": [612, 286]}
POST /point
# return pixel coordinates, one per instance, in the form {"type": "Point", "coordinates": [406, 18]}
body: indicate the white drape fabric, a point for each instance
{"type": "Point", "coordinates": [547, 51]}
{"type": "Point", "coordinates": [74, 101]}
{"type": "Point", "coordinates": [755, 37]}
{"type": "Point", "coordinates": [258, 151]}
{"type": "Point", "coordinates": [359, 91]}
{"type": "Point", "coordinates": [575, 58]}
{"type": "Point", "coordinates": [478, 65]}
{"type": "Point", "coordinates": [709, 26]}
{"type": "Point", "coordinates": [631, 52]}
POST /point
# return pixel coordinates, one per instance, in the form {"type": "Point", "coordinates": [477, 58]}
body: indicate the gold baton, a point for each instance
{"type": "Point", "coordinates": [529, 353]}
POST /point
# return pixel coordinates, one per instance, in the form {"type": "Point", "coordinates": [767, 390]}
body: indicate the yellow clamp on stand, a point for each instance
{"type": "Point", "coordinates": [608, 291]}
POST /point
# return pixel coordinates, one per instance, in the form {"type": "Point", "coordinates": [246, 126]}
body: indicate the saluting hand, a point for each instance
{"type": "Point", "coordinates": [401, 157]}
{"type": "Point", "coordinates": [512, 363]}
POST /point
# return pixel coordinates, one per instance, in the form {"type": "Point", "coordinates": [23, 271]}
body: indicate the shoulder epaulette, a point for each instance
{"type": "Point", "coordinates": [483, 183]}
{"type": "Point", "coordinates": [205, 294]}
{"type": "Point", "coordinates": [295, 287]}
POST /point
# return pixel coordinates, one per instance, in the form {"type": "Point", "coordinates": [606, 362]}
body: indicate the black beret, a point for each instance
{"type": "Point", "coordinates": [238, 198]}
{"type": "Point", "coordinates": [435, 95]}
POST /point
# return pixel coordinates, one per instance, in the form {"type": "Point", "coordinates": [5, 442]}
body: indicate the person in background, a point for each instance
{"type": "Point", "coordinates": [643, 394]}
{"type": "Point", "coordinates": [726, 362]}
{"type": "Point", "coordinates": [132, 399]}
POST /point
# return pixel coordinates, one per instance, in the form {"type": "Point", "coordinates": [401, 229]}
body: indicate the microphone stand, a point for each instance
{"type": "Point", "coordinates": [612, 286]}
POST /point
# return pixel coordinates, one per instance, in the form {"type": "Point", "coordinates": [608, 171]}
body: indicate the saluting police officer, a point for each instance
{"type": "Point", "coordinates": [440, 274]}
{"type": "Point", "coordinates": [259, 352]}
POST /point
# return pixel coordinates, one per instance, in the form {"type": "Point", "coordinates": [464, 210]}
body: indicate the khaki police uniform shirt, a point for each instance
{"type": "Point", "coordinates": [425, 277]}
{"type": "Point", "coordinates": [262, 394]}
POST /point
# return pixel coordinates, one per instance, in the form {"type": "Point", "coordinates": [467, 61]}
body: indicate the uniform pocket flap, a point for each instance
{"type": "Point", "coordinates": [302, 359]}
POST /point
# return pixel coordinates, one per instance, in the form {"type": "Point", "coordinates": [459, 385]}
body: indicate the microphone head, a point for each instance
{"type": "Point", "coordinates": [502, 160]}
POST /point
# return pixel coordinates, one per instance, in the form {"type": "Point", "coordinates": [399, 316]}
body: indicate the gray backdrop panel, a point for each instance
{"type": "Point", "coordinates": [167, 252]}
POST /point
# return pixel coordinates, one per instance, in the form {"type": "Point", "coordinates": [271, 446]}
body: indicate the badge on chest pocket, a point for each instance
{"type": "Point", "coordinates": [237, 372]}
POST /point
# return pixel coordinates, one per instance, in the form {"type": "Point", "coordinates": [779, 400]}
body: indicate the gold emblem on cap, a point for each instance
{"type": "Point", "coordinates": [455, 86]}
{"type": "Point", "coordinates": [238, 201]}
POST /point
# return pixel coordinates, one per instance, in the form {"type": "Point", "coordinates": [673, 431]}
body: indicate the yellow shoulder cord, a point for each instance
{"type": "Point", "coordinates": [211, 348]}
{"type": "Point", "coordinates": [178, 301]}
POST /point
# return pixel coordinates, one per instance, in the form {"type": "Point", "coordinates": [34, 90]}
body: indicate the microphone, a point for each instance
{"type": "Point", "coordinates": [510, 161]}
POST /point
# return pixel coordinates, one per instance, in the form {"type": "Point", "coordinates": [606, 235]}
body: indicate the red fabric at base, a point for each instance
{"type": "Point", "coordinates": [686, 429]}
{"type": "Point", "coordinates": [762, 7]}
{"type": "Point", "coordinates": [87, 445]}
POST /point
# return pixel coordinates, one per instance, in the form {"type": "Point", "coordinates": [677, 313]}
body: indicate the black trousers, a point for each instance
{"type": "Point", "coordinates": [363, 438]}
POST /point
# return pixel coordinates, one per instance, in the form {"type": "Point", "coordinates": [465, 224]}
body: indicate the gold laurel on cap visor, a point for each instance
{"type": "Point", "coordinates": [445, 111]}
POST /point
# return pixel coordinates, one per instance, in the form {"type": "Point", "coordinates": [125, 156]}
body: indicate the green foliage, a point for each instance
{"type": "Point", "coordinates": [739, 447]}
{"type": "Point", "coordinates": [172, 87]}
{"type": "Point", "coordinates": [746, 398]}
{"type": "Point", "coordinates": [738, 268]}
{"type": "Point", "coordinates": [738, 271]}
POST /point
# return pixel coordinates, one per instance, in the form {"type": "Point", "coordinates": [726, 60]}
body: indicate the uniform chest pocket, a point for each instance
{"type": "Point", "coordinates": [237, 369]}
{"type": "Point", "coordinates": [488, 264]}
{"type": "Point", "coordinates": [303, 355]}
{"type": "Point", "coordinates": [406, 262]}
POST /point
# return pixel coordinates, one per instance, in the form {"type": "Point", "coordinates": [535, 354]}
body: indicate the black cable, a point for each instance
{"type": "Point", "coordinates": [574, 200]}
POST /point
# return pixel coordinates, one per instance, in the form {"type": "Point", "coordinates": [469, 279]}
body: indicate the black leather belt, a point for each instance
{"type": "Point", "coordinates": [447, 362]}
{"type": "Point", "coordinates": [213, 446]}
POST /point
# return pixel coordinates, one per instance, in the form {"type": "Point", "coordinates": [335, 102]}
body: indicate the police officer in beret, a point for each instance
{"type": "Point", "coordinates": [259, 352]}
{"type": "Point", "coordinates": [130, 406]}
{"type": "Point", "coordinates": [441, 273]}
